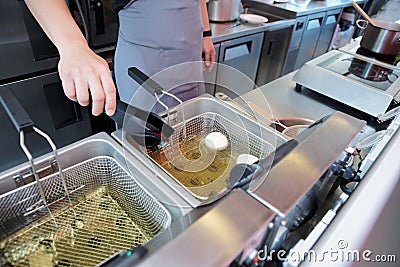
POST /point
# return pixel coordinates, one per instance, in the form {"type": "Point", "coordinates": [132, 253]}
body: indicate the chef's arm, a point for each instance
{"type": "Point", "coordinates": [204, 15]}
{"type": "Point", "coordinates": [82, 72]}
{"type": "Point", "coordinates": [56, 21]}
{"type": "Point", "coordinates": [208, 46]}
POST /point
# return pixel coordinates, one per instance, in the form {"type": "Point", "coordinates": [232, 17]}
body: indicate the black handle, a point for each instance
{"type": "Point", "coordinates": [271, 44]}
{"type": "Point", "coordinates": [299, 25]}
{"type": "Point", "coordinates": [98, 9]}
{"type": "Point", "coordinates": [154, 122]}
{"type": "Point", "coordinates": [149, 84]}
{"type": "Point", "coordinates": [15, 111]}
{"type": "Point", "coordinates": [145, 127]}
{"type": "Point", "coordinates": [242, 174]}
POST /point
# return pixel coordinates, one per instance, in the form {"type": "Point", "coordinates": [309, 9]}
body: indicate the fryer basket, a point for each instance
{"type": "Point", "coordinates": [241, 141]}
{"type": "Point", "coordinates": [113, 213]}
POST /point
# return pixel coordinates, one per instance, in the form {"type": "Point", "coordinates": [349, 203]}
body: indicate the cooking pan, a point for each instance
{"type": "Point", "coordinates": [384, 38]}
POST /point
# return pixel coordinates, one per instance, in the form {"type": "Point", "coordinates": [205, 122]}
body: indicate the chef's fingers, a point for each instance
{"type": "Point", "coordinates": [81, 87]}
{"type": "Point", "coordinates": [96, 90]}
{"type": "Point", "coordinates": [68, 85]}
{"type": "Point", "coordinates": [110, 93]}
{"type": "Point", "coordinates": [207, 57]}
{"type": "Point", "coordinates": [206, 61]}
{"type": "Point", "coordinates": [209, 54]}
{"type": "Point", "coordinates": [209, 60]}
{"type": "Point", "coordinates": [213, 58]}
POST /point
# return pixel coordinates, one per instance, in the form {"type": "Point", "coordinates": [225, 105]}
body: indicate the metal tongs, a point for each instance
{"type": "Point", "coordinates": [24, 124]}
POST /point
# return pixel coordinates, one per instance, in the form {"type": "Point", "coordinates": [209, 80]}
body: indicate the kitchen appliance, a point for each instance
{"type": "Point", "coordinates": [33, 76]}
{"type": "Point", "coordinates": [94, 205]}
{"type": "Point", "coordinates": [299, 183]}
{"type": "Point", "coordinates": [300, 187]}
{"type": "Point", "coordinates": [295, 188]}
{"type": "Point", "coordinates": [204, 173]}
{"type": "Point", "coordinates": [366, 83]}
{"type": "Point", "coordinates": [23, 43]}
{"type": "Point", "coordinates": [224, 10]}
{"type": "Point", "coordinates": [114, 211]}
{"type": "Point", "coordinates": [370, 71]}
{"type": "Point", "coordinates": [203, 115]}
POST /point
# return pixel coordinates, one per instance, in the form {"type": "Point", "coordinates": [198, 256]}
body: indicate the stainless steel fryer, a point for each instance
{"type": "Point", "coordinates": [201, 116]}
{"type": "Point", "coordinates": [113, 211]}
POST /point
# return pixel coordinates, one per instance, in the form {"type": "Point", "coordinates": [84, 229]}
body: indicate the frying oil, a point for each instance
{"type": "Point", "coordinates": [102, 228]}
{"type": "Point", "coordinates": [215, 174]}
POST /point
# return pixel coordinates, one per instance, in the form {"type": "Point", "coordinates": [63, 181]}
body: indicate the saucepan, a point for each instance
{"type": "Point", "coordinates": [223, 10]}
{"type": "Point", "coordinates": [384, 38]}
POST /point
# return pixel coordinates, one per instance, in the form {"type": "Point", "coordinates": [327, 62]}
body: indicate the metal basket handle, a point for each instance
{"type": "Point", "coordinates": [155, 89]}
{"type": "Point", "coordinates": [23, 123]}
{"type": "Point", "coordinates": [150, 85]}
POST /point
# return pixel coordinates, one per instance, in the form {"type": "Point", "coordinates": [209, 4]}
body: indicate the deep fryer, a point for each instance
{"type": "Point", "coordinates": [78, 216]}
{"type": "Point", "coordinates": [192, 120]}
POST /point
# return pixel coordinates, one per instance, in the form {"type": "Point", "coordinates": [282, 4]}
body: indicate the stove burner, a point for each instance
{"type": "Point", "coordinates": [370, 71]}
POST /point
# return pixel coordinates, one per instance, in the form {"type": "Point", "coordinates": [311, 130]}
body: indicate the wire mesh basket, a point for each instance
{"type": "Point", "coordinates": [112, 212]}
{"type": "Point", "coordinates": [214, 178]}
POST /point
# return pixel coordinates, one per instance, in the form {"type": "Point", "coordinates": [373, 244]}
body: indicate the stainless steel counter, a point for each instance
{"type": "Point", "coordinates": [295, 8]}
{"type": "Point", "coordinates": [285, 101]}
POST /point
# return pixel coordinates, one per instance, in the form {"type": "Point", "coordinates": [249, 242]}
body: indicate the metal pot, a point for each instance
{"type": "Point", "coordinates": [382, 39]}
{"type": "Point", "coordinates": [223, 10]}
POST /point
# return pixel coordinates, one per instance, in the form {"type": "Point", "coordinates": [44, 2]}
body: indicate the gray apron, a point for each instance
{"type": "Point", "coordinates": [154, 35]}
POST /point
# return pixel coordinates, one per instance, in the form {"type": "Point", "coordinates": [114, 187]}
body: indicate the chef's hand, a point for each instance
{"type": "Point", "coordinates": [82, 72]}
{"type": "Point", "coordinates": [209, 53]}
